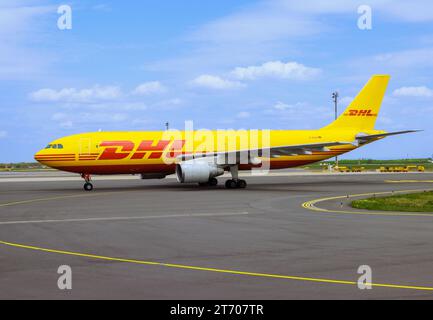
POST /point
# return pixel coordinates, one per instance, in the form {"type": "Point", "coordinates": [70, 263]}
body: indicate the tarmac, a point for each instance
{"type": "Point", "coordinates": [291, 235]}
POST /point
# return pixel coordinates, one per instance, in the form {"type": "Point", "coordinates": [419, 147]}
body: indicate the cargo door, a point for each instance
{"type": "Point", "coordinates": [85, 146]}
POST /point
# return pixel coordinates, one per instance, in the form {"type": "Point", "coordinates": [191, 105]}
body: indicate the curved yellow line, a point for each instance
{"type": "Point", "coordinates": [225, 271]}
{"type": "Point", "coordinates": [408, 181]}
{"type": "Point", "coordinates": [308, 205]}
{"type": "Point", "coordinates": [311, 205]}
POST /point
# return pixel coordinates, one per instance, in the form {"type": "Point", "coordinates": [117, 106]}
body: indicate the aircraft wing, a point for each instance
{"type": "Point", "coordinates": [302, 149]}
{"type": "Point", "coordinates": [363, 138]}
{"type": "Point", "coordinates": [272, 152]}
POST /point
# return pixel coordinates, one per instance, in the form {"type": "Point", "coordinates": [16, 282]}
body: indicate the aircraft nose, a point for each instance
{"type": "Point", "coordinates": [39, 156]}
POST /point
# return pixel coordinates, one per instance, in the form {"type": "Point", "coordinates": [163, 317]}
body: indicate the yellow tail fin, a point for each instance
{"type": "Point", "coordinates": [363, 111]}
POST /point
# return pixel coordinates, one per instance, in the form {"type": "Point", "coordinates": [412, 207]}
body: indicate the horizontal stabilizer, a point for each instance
{"type": "Point", "coordinates": [365, 137]}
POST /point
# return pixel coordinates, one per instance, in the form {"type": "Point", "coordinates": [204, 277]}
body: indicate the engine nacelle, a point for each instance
{"type": "Point", "coordinates": [197, 171]}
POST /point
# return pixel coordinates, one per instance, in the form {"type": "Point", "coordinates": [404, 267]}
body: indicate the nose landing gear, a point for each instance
{"type": "Point", "coordinates": [88, 186]}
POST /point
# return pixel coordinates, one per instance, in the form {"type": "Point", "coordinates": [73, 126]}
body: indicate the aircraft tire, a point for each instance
{"type": "Point", "coordinates": [241, 184]}
{"type": "Point", "coordinates": [213, 182]}
{"type": "Point", "coordinates": [231, 184]}
{"type": "Point", "coordinates": [88, 186]}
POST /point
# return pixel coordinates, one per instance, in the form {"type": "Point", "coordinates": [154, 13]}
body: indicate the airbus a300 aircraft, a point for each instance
{"type": "Point", "coordinates": [201, 157]}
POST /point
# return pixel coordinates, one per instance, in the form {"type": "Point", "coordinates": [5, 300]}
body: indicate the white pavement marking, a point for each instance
{"type": "Point", "coordinates": [191, 215]}
{"type": "Point", "coordinates": [62, 179]}
{"type": "Point", "coordinates": [23, 178]}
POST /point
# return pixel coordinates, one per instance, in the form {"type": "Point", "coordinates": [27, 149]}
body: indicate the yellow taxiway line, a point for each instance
{"type": "Point", "coordinates": [198, 268]}
{"type": "Point", "coordinates": [214, 270]}
{"type": "Point", "coordinates": [408, 181]}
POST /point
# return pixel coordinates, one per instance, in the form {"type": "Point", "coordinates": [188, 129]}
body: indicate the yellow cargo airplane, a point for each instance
{"type": "Point", "coordinates": [200, 157]}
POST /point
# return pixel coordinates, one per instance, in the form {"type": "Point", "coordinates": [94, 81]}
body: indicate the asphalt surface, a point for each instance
{"type": "Point", "coordinates": [258, 243]}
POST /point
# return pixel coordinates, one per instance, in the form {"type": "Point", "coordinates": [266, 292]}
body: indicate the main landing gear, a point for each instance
{"type": "Point", "coordinates": [88, 186]}
{"type": "Point", "coordinates": [235, 182]}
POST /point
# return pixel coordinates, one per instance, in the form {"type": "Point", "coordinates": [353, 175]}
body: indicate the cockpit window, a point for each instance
{"type": "Point", "coordinates": [54, 146]}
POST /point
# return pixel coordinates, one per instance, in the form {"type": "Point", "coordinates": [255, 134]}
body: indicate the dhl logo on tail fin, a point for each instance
{"type": "Point", "coordinates": [363, 111]}
{"type": "Point", "coordinates": [360, 113]}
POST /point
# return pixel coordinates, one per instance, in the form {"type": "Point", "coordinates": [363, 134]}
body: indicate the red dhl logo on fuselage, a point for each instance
{"type": "Point", "coordinates": [119, 150]}
{"type": "Point", "coordinates": [360, 113]}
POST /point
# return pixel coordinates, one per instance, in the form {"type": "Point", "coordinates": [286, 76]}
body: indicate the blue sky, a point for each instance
{"type": "Point", "coordinates": [133, 65]}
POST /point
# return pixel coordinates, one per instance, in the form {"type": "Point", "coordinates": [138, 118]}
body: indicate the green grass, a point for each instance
{"type": "Point", "coordinates": [22, 167]}
{"type": "Point", "coordinates": [372, 165]}
{"type": "Point", "coordinates": [414, 202]}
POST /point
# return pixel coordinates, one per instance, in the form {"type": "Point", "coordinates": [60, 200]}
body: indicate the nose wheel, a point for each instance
{"type": "Point", "coordinates": [88, 186]}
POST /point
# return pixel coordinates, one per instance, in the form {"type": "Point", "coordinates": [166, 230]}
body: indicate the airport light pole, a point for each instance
{"type": "Point", "coordinates": [335, 96]}
{"type": "Point", "coordinates": [167, 126]}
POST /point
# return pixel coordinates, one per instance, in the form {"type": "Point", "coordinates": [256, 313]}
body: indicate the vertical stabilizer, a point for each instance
{"type": "Point", "coordinates": [363, 111]}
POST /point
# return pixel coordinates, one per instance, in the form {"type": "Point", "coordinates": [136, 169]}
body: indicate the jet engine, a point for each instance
{"type": "Point", "coordinates": [197, 171]}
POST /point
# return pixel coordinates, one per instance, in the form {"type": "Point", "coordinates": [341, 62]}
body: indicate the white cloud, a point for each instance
{"type": "Point", "coordinates": [296, 113]}
{"type": "Point", "coordinates": [416, 58]}
{"type": "Point", "coordinates": [396, 63]}
{"type": "Point", "coordinates": [243, 115]}
{"type": "Point", "coordinates": [68, 120]}
{"type": "Point", "coordinates": [102, 7]}
{"type": "Point", "coordinates": [168, 104]}
{"type": "Point", "coordinates": [63, 120]}
{"type": "Point", "coordinates": [385, 120]}
{"type": "Point", "coordinates": [270, 29]}
{"type": "Point", "coordinates": [264, 22]}
{"type": "Point", "coordinates": [414, 92]}
{"type": "Point", "coordinates": [21, 23]}
{"type": "Point", "coordinates": [3, 134]}
{"type": "Point", "coordinates": [148, 88]}
{"type": "Point", "coordinates": [97, 94]}
{"type": "Point", "coordinates": [58, 116]}
{"type": "Point", "coordinates": [216, 83]}
{"type": "Point", "coordinates": [68, 124]}
{"type": "Point", "coordinates": [276, 69]}
{"type": "Point", "coordinates": [271, 69]}
{"type": "Point", "coordinates": [281, 106]}
{"type": "Point", "coordinates": [410, 11]}
{"type": "Point", "coordinates": [121, 105]}
{"type": "Point", "coordinates": [141, 122]}
{"type": "Point", "coordinates": [345, 101]}
{"type": "Point", "coordinates": [75, 95]}
{"type": "Point", "coordinates": [272, 20]}
{"type": "Point", "coordinates": [19, 17]}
